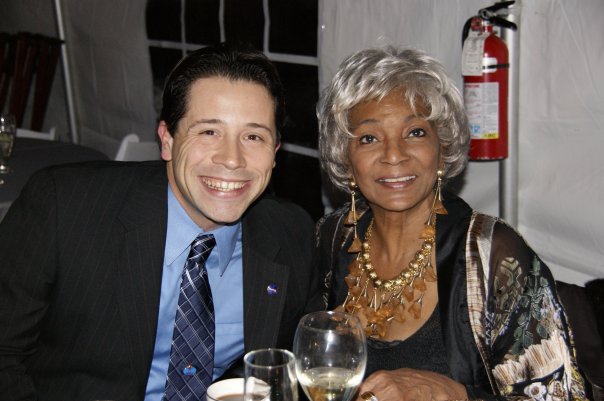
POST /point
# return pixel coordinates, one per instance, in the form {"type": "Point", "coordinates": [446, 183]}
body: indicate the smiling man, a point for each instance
{"type": "Point", "coordinates": [221, 155]}
{"type": "Point", "coordinates": [148, 281]}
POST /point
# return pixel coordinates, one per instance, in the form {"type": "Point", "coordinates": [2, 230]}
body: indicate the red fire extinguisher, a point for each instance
{"type": "Point", "coordinates": [485, 66]}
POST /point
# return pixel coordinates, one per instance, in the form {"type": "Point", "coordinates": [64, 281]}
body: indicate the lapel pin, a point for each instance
{"type": "Point", "coordinates": [271, 289]}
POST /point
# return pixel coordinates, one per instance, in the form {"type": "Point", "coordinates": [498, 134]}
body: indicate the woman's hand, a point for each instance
{"type": "Point", "coordinates": [412, 385]}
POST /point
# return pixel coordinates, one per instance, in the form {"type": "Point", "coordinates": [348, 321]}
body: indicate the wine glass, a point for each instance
{"type": "Point", "coordinates": [331, 354]}
{"type": "Point", "coordinates": [8, 130]}
{"type": "Point", "coordinates": [270, 375]}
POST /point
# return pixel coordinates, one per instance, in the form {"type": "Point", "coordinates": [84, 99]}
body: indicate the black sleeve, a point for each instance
{"type": "Point", "coordinates": [27, 238]}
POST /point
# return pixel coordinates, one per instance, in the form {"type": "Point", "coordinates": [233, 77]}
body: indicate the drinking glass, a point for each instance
{"type": "Point", "coordinates": [8, 131]}
{"type": "Point", "coordinates": [270, 375]}
{"type": "Point", "coordinates": [331, 355]}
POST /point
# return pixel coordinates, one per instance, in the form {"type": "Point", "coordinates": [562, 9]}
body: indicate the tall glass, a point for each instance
{"type": "Point", "coordinates": [331, 355]}
{"type": "Point", "coordinates": [270, 375]}
{"type": "Point", "coordinates": [8, 131]}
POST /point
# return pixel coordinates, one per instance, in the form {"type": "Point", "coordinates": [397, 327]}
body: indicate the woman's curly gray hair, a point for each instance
{"type": "Point", "coordinates": [374, 73]}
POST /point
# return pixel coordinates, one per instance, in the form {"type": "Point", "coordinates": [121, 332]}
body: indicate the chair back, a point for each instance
{"type": "Point", "coordinates": [132, 149]}
{"type": "Point", "coordinates": [51, 135]}
{"type": "Point", "coordinates": [588, 340]}
{"type": "Point", "coordinates": [27, 59]}
{"type": "Point", "coordinates": [5, 67]}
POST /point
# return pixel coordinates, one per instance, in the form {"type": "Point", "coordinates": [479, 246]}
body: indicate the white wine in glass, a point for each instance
{"type": "Point", "coordinates": [331, 355]}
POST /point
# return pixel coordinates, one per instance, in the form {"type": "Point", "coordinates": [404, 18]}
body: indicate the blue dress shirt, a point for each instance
{"type": "Point", "coordinates": [224, 267]}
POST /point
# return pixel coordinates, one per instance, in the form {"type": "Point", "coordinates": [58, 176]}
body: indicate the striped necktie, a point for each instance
{"type": "Point", "coordinates": [192, 354]}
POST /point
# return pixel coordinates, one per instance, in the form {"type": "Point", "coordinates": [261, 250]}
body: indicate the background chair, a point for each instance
{"type": "Point", "coordinates": [26, 133]}
{"type": "Point", "coordinates": [27, 60]}
{"type": "Point", "coordinates": [132, 149]}
{"type": "Point", "coordinates": [583, 316]}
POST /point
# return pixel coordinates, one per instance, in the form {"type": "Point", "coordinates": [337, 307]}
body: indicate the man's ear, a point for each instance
{"type": "Point", "coordinates": [277, 147]}
{"type": "Point", "coordinates": [166, 140]}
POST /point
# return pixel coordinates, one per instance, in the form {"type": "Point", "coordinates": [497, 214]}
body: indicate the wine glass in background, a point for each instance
{"type": "Point", "coordinates": [270, 375]}
{"type": "Point", "coordinates": [8, 130]}
{"type": "Point", "coordinates": [331, 354]}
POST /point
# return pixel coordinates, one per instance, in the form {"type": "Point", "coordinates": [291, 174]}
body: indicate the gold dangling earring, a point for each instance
{"type": "Point", "coordinates": [437, 208]}
{"type": "Point", "coordinates": [351, 219]}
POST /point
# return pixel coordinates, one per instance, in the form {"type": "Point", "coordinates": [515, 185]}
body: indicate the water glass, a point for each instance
{"type": "Point", "coordinates": [270, 375]}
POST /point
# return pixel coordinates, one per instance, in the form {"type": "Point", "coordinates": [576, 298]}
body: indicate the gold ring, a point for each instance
{"type": "Point", "coordinates": [369, 396]}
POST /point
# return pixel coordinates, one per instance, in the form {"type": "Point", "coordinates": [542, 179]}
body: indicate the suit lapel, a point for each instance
{"type": "Point", "coordinates": [264, 282]}
{"type": "Point", "coordinates": [139, 262]}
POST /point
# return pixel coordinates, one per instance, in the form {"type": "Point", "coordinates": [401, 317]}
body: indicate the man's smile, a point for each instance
{"type": "Point", "coordinates": [224, 186]}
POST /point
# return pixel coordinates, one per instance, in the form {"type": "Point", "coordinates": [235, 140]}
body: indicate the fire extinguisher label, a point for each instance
{"type": "Point", "coordinates": [471, 56]}
{"type": "Point", "coordinates": [482, 107]}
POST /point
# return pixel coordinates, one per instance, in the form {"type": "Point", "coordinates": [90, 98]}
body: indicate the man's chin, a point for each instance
{"type": "Point", "coordinates": [225, 219]}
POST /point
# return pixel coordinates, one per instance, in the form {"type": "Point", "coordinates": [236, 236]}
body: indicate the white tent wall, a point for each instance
{"type": "Point", "coordinates": [561, 188]}
{"type": "Point", "coordinates": [561, 104]}
{"type": "Point", "coordinates": [109, 61]}
{"type": "Point", "coordinates": [111, 70]}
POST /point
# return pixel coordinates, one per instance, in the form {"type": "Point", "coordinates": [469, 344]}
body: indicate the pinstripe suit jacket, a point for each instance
{"type": "Point", "coordinates": [81, 256]}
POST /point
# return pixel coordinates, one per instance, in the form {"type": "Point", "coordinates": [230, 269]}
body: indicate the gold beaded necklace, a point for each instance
{"type": "Point", "coordinates": [392, 299]}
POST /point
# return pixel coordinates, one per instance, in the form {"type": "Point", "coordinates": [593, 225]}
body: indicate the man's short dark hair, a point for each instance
{"type": "Point", "coordinates": [233, 63]}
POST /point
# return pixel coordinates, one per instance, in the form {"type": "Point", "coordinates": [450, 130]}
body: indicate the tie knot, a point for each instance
{"type": "Point", "coordinates": [201, 247]}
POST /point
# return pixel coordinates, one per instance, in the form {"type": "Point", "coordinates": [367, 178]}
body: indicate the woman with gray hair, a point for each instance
{"type": "Point", "coordinates": [454, 303]}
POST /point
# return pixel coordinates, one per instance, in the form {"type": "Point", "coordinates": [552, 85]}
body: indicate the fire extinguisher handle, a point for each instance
{"type": "Point", "coordinates": [490, 14]}
{"type": "Point", "coordinates": [502, 22]}
{"type": "Point", "coordinates": [498, 6]}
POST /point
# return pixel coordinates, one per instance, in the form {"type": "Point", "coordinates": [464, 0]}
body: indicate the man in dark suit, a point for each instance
{"type": "Point", "coordinates": [92, 255]}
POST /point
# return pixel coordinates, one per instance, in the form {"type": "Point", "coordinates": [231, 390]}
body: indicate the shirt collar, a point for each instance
{"type": "Point", "coordinates": [182, 231]}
